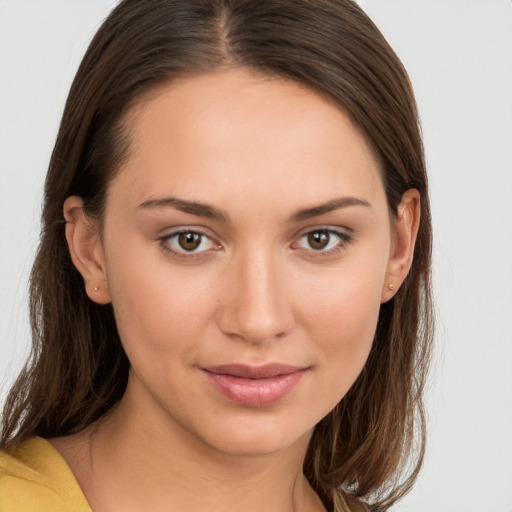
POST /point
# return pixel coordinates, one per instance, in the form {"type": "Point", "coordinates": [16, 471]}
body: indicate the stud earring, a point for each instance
{"type": "Point", "coordinates": [96, 289]}
{"type": "Point", "coordinates": [390, 286]}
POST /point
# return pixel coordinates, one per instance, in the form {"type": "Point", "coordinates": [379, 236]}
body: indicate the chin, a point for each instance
{"type": "Point", "coordinates": [260, 443]}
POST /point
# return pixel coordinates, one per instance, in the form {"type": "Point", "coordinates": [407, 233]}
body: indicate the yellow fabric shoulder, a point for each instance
{"type": "Point", "coordinates": [35, 478]}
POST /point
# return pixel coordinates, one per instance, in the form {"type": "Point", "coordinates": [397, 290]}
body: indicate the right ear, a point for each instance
{"type": "Point", "coordinates": [86, 250]}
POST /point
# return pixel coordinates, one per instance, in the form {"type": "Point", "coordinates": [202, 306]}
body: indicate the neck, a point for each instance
{"type": "Point", "coordinates": [136, 462]}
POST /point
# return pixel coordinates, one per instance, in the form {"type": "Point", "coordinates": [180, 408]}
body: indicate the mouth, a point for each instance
{"type": "Point", "coordinates": [254, 386]}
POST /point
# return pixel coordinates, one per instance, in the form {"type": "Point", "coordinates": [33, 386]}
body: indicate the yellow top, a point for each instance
{"type": "Point", "coordinates": [35, 478]}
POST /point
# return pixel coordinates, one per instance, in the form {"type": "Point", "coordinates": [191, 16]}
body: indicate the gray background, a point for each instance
{"type": "Point", "coordinates": [459, 56]}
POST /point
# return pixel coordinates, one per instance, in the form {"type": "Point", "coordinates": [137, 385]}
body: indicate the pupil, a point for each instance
{"type": "Point", "coordinates": [189, 241]}
{"type": "Point", "coordinates": [318, 239]}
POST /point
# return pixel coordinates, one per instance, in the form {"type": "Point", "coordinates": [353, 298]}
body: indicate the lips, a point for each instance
{"type": "Point", "coordinates": [254, 386]}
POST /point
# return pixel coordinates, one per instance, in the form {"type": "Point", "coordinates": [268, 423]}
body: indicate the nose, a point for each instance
{"type": "Point", "coordinates": [256, 306]}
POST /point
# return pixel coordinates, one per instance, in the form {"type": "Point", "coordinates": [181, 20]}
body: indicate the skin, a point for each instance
{"type": "Point", "coordinates": [255, 291]}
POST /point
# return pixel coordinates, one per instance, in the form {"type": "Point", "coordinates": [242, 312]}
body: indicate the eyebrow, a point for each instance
{"type": "Point", "coordinates": [191, 207]}
{"type": "Point", "coordinates": [322, 209]}
{"type": "Point", "coordinates": [210, 212]}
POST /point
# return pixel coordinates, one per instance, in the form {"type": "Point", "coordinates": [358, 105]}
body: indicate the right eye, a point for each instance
{"type": "Point", "coordinates": [187, 243]}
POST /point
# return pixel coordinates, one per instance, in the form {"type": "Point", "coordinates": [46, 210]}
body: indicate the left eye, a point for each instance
{"type": "Point", "coordinates": [188, 242]}
{"type": "Point", "coordinates": [321, 240]}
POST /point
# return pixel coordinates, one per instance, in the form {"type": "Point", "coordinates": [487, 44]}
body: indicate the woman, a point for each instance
{"type": "Point", "coordinates": [230, 303]}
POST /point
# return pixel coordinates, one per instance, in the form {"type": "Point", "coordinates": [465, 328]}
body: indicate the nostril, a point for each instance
{"type": "Point", "coordinates": [254, 323]}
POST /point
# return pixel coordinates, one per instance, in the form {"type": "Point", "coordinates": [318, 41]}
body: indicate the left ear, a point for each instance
{"type": "Point", "coordinates": [404, 233]}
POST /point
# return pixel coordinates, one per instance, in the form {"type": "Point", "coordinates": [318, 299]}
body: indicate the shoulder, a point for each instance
{"type": "Point", "coordinates": [34, 476]}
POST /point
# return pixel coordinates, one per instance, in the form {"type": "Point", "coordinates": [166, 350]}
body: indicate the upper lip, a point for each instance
{"type": "Point", "coordinates": [266, 371]}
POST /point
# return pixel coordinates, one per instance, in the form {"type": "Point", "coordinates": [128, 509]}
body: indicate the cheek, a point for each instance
{"type": "Point", "coordinates": [345, 318]}
{"type": "Point", "coordinates": [158, 307]}
{"type": "Point", "coordinates": [341, 316]}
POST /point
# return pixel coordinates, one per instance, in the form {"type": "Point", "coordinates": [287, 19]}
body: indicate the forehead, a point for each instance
{"type": "Point", "coordinates": [238, 133]}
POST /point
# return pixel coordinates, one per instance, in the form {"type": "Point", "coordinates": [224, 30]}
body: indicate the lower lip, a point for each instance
{"type": "Point", "coordinates": [254, 392]}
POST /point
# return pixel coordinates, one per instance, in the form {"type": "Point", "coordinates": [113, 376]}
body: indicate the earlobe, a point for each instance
{"type": "Point", "coordinates": [405, 231]}
{"type": "Point", "coordinates": [86, 250]}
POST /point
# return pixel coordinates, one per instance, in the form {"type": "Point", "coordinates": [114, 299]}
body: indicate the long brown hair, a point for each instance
{"type": "Point", "coordinates": [366, 453]}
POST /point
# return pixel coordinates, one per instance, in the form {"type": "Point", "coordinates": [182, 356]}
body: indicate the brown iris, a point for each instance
{"type": "Point", "coordinates": [318, 239]}
{"type": "Point", "coordinates": [189, 241]}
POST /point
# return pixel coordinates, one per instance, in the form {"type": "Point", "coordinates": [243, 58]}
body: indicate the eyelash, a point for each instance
{"type": "Point", "coordinates": [183, 254]}
{"type": "Point", "coordinates": [344, 239]}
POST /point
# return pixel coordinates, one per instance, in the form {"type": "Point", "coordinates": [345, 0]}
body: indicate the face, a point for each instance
{"type": "Point", "coordinates": [246, 248]}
